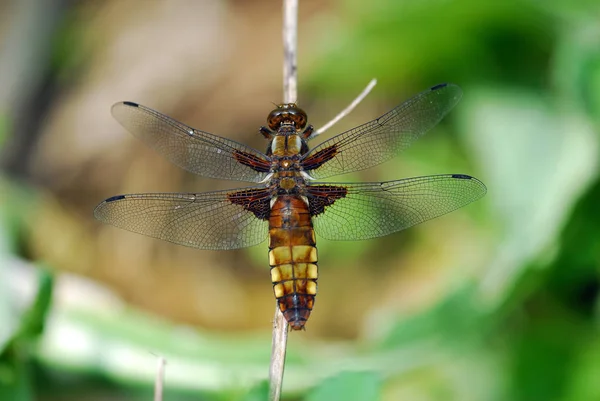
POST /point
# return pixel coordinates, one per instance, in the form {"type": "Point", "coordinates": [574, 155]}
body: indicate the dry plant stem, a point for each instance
{"type": "Point", "coordinates": [278, 348]}
{"type": "Point", "coordinates": [290, 94]}
{"type": "Point", "coordinates": [160, 379]}
{"type": "Point", "coordinates": [290, 51]}
{"type": "Point", "coordinates": [348, 109]}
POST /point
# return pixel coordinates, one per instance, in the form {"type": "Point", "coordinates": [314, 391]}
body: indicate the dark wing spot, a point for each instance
{"type": "Point", "coordinates": [462, 176]}
{"type": "Point", "coordinates": [439, 86]}
{"type": "Point", "coordinates": [321, 196]}
{"type": "Point", "coordinates": [115, 198]}
{"type": "Point", "coordinates": [256, 201]}
{"type": "Point", "coordinates": [131, 104]}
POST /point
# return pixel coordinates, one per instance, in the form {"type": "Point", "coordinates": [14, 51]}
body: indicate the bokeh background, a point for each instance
{"type": "Point", "coordinates": [497, 301]}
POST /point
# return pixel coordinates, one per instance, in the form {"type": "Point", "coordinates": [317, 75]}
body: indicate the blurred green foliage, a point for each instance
{"type": "Point", "coordinates": [350, 386]}
{"type": "Point", "coordinates": [528, 330]}
{"type": "Point", "coordinates": [16, 349]}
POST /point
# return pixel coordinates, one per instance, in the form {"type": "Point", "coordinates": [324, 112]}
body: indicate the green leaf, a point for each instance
{"type": "Point", "coordinates": [348, 386]}
{"type": "Point", "coordinates": [576, 69]}
{"type": "Point", "coordinates": [536, 162]}
{"type": "Point", "coordinates": [15, 379]}
{"type": "Point", "coordinates": [584, 383]}
{"type": "Point", "coordinates": [260, 392]}
{"type": "Point", "coordinates": [32, 322]}
{"type": "Point", "coordinates": [457, 319]}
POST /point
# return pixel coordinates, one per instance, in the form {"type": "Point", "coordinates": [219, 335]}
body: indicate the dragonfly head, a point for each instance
{"type": "Point", "coordinates": [287, 113]}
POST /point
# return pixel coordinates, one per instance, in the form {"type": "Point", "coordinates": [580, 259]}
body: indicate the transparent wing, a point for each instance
{"type": "Point", "coordinates": [383, 138]}
{"type": "Point", "coordinates": [213, 220]}
{"type": "Point", "coordinates": [196, 151]}
{"type": "Point", "coordinates": [368, 210]}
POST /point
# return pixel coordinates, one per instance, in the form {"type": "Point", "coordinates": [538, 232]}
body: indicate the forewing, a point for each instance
{"type": "Point", "coordinates": [196, 151]}
{"type": "Point", "coordinates": [368, 210]}
{"type": "Point", "coordinates": [383, 138]}
{"type": "Point", "coordinates": [212, 220]}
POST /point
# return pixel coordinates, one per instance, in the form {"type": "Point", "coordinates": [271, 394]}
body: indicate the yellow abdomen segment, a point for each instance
{"type": "Point", "coordinates": [293, 259]}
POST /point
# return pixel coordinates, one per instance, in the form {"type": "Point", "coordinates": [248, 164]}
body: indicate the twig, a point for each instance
{"type": "Point", "coordinates": [278, 348]}
{"type": "Point", "coordinates": [290, 51]}
{"type": "Point", "coordinates": [348, 109]}
{"type": "Point", "coordinates": [160, 379]}
{"type": "Point", "coordinates": [290, 94]}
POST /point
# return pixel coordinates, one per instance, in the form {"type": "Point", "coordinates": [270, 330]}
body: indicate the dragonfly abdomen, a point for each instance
{"type": "Point", "coordinates": [293, 258]}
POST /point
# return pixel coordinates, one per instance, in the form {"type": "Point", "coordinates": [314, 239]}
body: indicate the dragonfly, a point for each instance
{"type": "Point", "coordinates": [285, 202]}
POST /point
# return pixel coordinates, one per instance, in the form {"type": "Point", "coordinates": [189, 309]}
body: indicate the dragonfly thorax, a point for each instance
{"type": "Point", "coordinates": [287, 145]}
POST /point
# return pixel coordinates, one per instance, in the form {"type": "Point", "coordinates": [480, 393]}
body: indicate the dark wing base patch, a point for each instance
{"type": "Point", "coordinates": [252, 161]}
{"type": "Point", "coordinates": [321, 196]}
{"type": "Point", "coordinates": [256, 201]}
{"type": "Point", "coordinates": [319, 158]}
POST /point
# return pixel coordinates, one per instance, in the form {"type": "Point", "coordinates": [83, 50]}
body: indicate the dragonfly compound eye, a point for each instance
{"type": "Point", "coordinates": [287, 113]}
{"type": "Point", "coordinates": [275, 118]}
{"type": "Point", "coordinates": [298, 116]}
